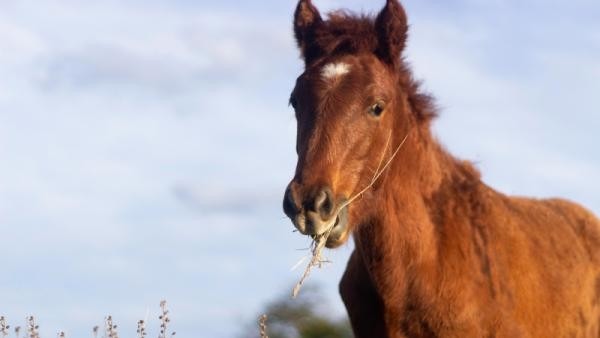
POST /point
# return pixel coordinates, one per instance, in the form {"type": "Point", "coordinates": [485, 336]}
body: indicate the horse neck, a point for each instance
{"type": "Point", "coordinates": [401, 224]}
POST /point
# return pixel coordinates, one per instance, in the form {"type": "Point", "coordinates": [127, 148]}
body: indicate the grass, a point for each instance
{"type": "Point", "coordinates": [110, 329]}
{"type": "Point", "coordinates": [262, 324]}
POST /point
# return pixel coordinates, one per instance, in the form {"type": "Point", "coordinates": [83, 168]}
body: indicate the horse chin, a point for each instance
{"type": "Point", "coordinates": [335, 241]}
{"type": "Point", "coordinates": [340, 232]}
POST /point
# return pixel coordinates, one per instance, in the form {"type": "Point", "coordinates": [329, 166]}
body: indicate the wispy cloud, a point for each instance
{"type": "Point", "coordinates": [132, 134]}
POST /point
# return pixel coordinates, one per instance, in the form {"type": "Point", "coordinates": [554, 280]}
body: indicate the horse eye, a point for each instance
{"type": "Point", "coordinates": [377, 109]}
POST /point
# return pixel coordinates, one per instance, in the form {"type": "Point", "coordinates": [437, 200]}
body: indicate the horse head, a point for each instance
{"type": "Point", "coordinates": [354, 103]}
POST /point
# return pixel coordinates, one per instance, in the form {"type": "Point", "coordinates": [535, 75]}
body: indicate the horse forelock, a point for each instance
{"type": "Point", "coordinates": [347, 33]}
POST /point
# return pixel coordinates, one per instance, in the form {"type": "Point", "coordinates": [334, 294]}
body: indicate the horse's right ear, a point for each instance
{"type": "Point", "coordinates": [392, 27]}
{"type": "Point", "coordinates": [306, 20]}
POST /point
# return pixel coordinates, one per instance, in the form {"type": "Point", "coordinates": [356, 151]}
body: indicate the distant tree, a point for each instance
{"type": "Point", "coordinates": [304, 317]}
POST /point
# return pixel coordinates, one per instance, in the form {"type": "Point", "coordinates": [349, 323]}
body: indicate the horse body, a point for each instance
{"type": "Point", "coordinates": [438, 253]}
{"type": "Point", "coordinates": [467, 261]}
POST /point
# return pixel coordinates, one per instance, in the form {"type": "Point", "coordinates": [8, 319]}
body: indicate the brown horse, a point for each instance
{"type": "Point", "coordinates": [437, 252]}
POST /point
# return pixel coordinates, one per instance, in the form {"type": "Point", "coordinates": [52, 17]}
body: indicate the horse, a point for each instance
{"type": "Point", "coordinates": [438, 253]}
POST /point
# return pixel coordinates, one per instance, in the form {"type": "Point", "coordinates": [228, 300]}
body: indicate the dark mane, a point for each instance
{"type": "Point", "coordinates": [421, 102]}
{"type": "Point", "coordinates": [347, 33]}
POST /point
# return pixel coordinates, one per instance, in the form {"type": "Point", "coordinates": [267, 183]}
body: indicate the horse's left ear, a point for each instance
{"type": "Point", "coordinates": [392, 28]}
{"type": "Point", "coordinates": [306, 21]}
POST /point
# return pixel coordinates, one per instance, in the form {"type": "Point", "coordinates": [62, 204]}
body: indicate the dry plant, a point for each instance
{"type": "Point", "coordinates": [316, 248]}
{"type": "Point", "coordinates": [141, 329]}
{"type": "Point", "coordinates": [32, 328]}
{"type": "Point", "coordinates": [262, 323]}
{"type": "Point", "coordinates": [318, 241]}
{"type": "Point", "coordinates": [110, 329]}
{"type": "Point", "coordinates": [164, 320]}
{"type": "Point", "coordinates": [3, 327]}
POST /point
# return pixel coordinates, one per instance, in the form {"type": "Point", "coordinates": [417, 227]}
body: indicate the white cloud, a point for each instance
{"type": "Point", "coordinates": [107, 107]}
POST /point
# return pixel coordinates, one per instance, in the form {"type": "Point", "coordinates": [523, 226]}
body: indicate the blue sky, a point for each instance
{"type": "Point", "coordinates": [145, 145]}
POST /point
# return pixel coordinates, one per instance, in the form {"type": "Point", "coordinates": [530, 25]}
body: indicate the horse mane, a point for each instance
{"type": "Point", "coordinates": [345, 32]}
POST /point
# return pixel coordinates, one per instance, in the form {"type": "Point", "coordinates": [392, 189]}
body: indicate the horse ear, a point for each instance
{"type": "Point", "coordinates": [392, 28]}
{"type": "Point", "coordinates": [306, 21]}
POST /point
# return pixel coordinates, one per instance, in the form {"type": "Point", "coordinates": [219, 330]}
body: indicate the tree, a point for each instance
{"type": "Point", "coordinates": [304, 317]}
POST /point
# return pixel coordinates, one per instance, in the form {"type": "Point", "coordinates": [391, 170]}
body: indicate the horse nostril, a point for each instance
{"type": "Point", "coordinates": [324, 203]}
{"type": "Point", "coordinates": [289, 205]}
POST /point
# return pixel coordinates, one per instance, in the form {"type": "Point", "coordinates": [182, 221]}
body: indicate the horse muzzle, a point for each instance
{"type": "Point", "coordinates": [317, 214]}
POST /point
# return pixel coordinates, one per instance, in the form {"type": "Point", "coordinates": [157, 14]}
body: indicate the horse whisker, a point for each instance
{"type": "Point", "coordinates": [387, 143]}
{"type": "Point", "coordinates": [376, 177]}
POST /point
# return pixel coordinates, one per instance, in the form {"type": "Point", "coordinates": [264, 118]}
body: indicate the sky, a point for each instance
{"type": "Point", "coordinates": [145, 145]}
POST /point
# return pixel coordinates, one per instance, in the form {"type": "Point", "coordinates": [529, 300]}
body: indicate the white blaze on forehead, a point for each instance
{"type": "Point", "coordinates": [335, 70]}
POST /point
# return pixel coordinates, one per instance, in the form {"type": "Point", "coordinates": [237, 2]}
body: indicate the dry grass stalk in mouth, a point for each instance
{"type": "Point", "coordinates": [316, 260]}
{"type": "Point", "coordinates": [319, 241]}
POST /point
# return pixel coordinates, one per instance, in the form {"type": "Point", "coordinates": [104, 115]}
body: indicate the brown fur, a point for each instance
{"type": "Point", "coordinates": [438, 253]}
